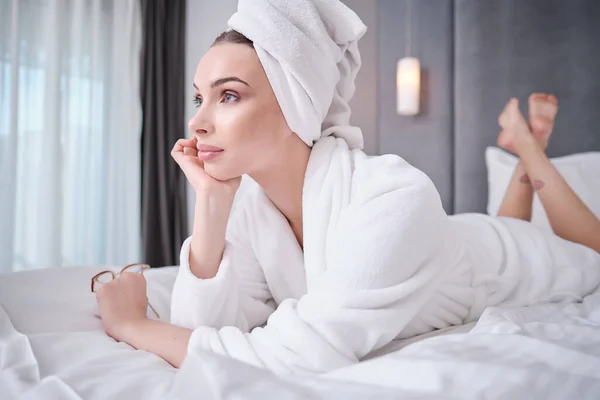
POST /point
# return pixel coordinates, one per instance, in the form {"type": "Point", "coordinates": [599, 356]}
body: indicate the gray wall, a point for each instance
{"type": "Point", "coordinates": [425, 140]}
{"type": "Point", "coordinates": [205, 20]}
{"type": "Point", "coordinates": [365, 101]}
{"type": "Point", "coordinates": [511, 48]}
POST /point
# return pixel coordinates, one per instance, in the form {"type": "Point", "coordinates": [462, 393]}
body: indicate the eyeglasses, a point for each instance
{"type": "Point", "coordinates": [106, 276]}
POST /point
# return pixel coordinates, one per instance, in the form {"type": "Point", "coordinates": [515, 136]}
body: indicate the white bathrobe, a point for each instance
{"type": "Point", "coordinates": [381, 261]}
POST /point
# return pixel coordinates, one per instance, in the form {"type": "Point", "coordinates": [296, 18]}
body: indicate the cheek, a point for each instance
{"type": "Point", "coordinates": [248, 126]}
{"type": "Point", "coordinates": [249, 133]}
{"type": "Point", "coordinates": [236, 127]}
{"type": "Point", "coordinates": [238, 130]}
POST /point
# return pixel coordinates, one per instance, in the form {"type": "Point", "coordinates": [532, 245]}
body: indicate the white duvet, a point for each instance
{"type": "Point", "coordinates": [52, 347]}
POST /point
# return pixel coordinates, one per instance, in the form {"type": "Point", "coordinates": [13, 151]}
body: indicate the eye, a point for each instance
{"type": "Point", "coordinates": [229, 97]}
{"type": "Point", "coordinates": [197, 101]}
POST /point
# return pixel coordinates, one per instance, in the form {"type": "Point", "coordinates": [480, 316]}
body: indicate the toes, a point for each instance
{"type": "Point", "coordinates": [511, 114]}
{"type": "Point", "coordinates": [549, 110]}
{"type": "Point", "coordinates": [550, 98]}
{"type": "Point", "coordinates": [545, 110]}
{"type": "Point", "coordinates": [544, 107]}
{"type": "Point", "coordinates": [503, 118]}
{"type": "Point", "coordinates": [536, 96]}
{"type": "Point", "coordinates": [512, 108]}
{"type": "Point", "coordinates": [516, 119]}
{"type": "Point", "coordinates": [543, 97]}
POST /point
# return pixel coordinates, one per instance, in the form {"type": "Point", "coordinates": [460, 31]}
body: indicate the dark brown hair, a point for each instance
{"type": "Point", "coordinates": [232, 37]}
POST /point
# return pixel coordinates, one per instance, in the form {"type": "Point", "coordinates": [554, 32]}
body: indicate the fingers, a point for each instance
{"type": "Point", "coordinates": [185, 155]}
{"type": "Point", "coordinates": [181, 144]}
{"type": "Point", "coordinates": [132, 277]}
{"type": "Point", "coordinates": [184, 147]}
{"type": "Point", "coordinates": [190, 151]}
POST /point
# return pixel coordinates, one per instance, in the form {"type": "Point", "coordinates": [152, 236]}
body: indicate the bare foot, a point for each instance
{"type": "Point", "coordinates": [506, 138]}
{"type": "Point", "coordinates": [542, 111]}
{"type": "Point", "coordinates": [516, 131]}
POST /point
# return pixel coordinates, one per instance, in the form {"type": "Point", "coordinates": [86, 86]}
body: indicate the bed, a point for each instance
{"type": "Point", "coordinates": [52, 347]}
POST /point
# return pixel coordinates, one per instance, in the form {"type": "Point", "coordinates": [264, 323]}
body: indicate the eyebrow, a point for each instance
{"type": "Point", "coordinates": [222, 81]}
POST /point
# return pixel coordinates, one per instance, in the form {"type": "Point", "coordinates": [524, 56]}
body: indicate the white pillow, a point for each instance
{"type": "Point", "coordinates": [581, 171]}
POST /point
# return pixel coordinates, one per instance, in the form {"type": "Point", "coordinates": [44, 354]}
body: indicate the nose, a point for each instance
{"type": "Point", "coordinates": [201, 123]}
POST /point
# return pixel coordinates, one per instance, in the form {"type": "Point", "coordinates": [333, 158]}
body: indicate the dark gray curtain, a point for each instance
{"type": "Point", "coordinates": [164, 219]}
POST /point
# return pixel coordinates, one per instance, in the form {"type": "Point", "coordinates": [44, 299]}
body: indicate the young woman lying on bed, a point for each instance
{"type": "Point", "coordinates": [334, 254]}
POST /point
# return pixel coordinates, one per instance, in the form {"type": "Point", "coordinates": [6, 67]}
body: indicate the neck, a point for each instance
{"type": "Point", "coordinates": [283, 181]}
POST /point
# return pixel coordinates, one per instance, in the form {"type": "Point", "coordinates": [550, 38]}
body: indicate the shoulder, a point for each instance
{"type": "Point", "coordinates": [390, 176]}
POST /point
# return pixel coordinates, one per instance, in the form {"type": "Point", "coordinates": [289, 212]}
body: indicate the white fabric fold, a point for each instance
{"type": "Point", "coordinates": [239, 299]}
{"type": "Point", "coordinates": [309, 51]}
{"type": "Point", "coordinates": [20, 371]}
{"type": "Point", "coordinates": [215, 313]}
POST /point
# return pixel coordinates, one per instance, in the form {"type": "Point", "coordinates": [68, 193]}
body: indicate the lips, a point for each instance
{"type": "Point", "coordinates": [206, 152]}
{"type": "Point", "coordinates": [205, 147]}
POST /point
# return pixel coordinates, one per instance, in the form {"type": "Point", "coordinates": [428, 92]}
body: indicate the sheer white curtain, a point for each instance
{"type": "Point", "coordinates": [70, 124]}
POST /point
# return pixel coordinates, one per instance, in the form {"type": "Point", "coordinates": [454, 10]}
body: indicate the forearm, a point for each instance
{"type": "Point", "coordinates": [167, 341]}
{"type": "Point", "coordinates": [518, 197]}
{"type": "Point", "coordinates": [569, 216]}
{"type": "Point", "coordinates": [208, 236]}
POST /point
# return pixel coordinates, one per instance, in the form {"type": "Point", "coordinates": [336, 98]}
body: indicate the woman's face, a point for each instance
{"type": "Point", "coordinates": [237, 112]}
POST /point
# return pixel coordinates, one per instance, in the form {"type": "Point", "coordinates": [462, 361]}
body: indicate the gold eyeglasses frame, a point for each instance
{"type": "Point", "coordinates": [115, 275]}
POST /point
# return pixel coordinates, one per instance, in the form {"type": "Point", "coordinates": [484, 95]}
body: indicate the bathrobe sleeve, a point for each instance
{"type": "Point", "coordinates": [237, 296]}
{"type": "Point", "coordinates": [384, 261]}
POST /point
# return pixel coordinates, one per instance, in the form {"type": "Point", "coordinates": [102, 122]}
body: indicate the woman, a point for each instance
{"type": "Point", "coordinates": [334, 254]}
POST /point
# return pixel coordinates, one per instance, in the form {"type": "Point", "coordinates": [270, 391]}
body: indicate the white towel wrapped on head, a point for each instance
{"type": "Point", "coordinates": [309, 51]}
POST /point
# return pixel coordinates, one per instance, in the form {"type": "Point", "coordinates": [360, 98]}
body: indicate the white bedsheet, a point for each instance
{"type": "Point", "coordinates": [52, 347]}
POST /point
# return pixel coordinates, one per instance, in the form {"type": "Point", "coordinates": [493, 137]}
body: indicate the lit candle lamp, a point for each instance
{"type": "Point", "coordinates": [408, 82]}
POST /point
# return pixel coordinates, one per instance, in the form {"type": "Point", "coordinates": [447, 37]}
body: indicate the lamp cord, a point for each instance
{"type": "Point", "coordinates": [408, 28]}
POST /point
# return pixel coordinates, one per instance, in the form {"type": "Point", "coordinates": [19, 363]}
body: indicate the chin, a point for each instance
{"type": "Point", "coordinates": [219, 172]}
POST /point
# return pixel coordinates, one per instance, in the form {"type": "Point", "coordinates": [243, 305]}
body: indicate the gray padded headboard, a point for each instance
{"type": "Point", "coordinates": [512, 48]}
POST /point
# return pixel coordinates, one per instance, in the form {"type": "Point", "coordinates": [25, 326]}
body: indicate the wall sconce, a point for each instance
{"type": "Point", "coordinates": [408, 76]}
{"type": "Point", "coordinates": [408, 85]}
